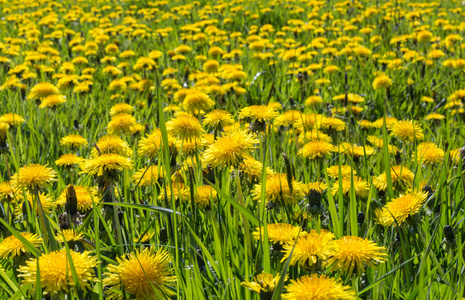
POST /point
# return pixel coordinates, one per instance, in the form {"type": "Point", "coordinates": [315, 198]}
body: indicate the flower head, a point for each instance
{"type": "Point", "coordinates": [399, 209]}
{"type": "Point", "coordinates": [148, 176]}
{"type": "Point", "coordinates": [69, 160]}
{"type": "Point", "coordinates": [281, 233]}
{"type": "Point", "coordinates": [218, 118]}
{"type": "Point", "coordinates": [12, 247]}
{"type": "Point", "coordinates": [407, 131]}
{"type": "Point", "coordinates": [230, 149]}
{"type": "Point", "coordinates": [382, 82]}
{"type": "Point", "coordinates": [429, 153]}
{"type": "Point", "coordinates": [105, 164]}
{"type": "Point", "coordinates": [263, 283]}
{"type": "Point", "coordinates": [112, 144]}
{"type": "Point", "coordinates": [33, 176]}
{"type": "Point", "coordinates": [52, 101]}
{"type": "Point", "coordinates": [258, 113]}
{"type": "Point", "coordinates": [74, 141]}
{"type": "Point", "coordinates": [318, 288]}
{"type": "Point", "coordinates": [144, 274]}
{"type": "Point", "coordinates": [84, 196]}
{"type": "Point", "coordinates": [151, 144]}
{"type": "Point", "coordinates": [352, 253]}
{"type": "Point", "coordinates": [278, 191]}
{"type": "Point", "coordinates": [316, 149]}
{"type": "Point", "coordinates": [399, 175]}
{"type": "Point", "coordinates": [12, 119]}
{"type": "Point", "coordinates": [196, 101]}
{"type": "Point", "coordinates": [55, 272]}
{"type": "Point", "coordinates": [204, 194]}
{"type": "Point", "coordinates": [361, 186]}
{"type": "Point", "coordinates": [121, 123]}
{"type": "Point", "coordinates": [70, 235]}
{"type": "Point", "coordinates": [121, 108]}
{"type": "Point", "coordinates": [185, 127]}
{"type": "Point", "coordinates": [43, 90]}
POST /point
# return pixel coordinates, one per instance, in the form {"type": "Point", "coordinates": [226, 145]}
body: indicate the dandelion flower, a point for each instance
{"type": "Point", "coordinates": [7, 193]}
{"type": "Point", "coordinates": [317, 287]}
{"type": "Point", "coordinates": [230, 149]}
{"type": "Point", "coordinates": [33, 176]}
{"type": "Point", "coordinates": [148, 176]}
{"type": "Point", "coordinates": [332, 124]}
{"type": "Point", "coordinates": [353, 253]}
{"type": "Point", "coordinates": [399, 175]}
{"type": "Point", "coordinates": [12, 247]}
{"type": "Point", "coordinates": [145, 274]}
{"type": "Point", "coordinates": [333, 171]}
{"type": "Point", "coordinates": [121, 108]}
{"type": "Point", "coordinates": [316, 149]}
{"type": "Point", "coordinates": [106, 164]}
{"type": "Point", "coordinates": [278, 191]}
{"type": "Point", "coordinates": [68, 160]}
{"type": "Point", "coordinates": [70, 235]}
{"type": "Point", "coordinates": [43, 90]}
{"type": "Point", "coordinates": [253, 168]}
{"type": "Point", "coordinates": [112, 144]}
{"type": "Point", "coordinates": [196, 101]}
{"type": "Point", "coordinates": [279, 233]}
{"type": "Point", "coordinates": [74, 141]}
{"type": "Point", "coordinates": [185, 127]}
{"type": "Point", "coordinates": [12, 119]}
{"type": "Point", "coordinates": [407, 131]}
{"type": "Point", "coordinates": [55, 271]}
{"type": "Point", "coordinates": [313, 101]}
{"type": "Point", "coordinates": [52, 101]}
{"type": "Point", "coordinates": [361, 186]}
{"type": "Point", "coordinates": [264, 283]}
{"type": "Point", "coordinates": [121, 123]}
{"type": "Point", "coordinates": [381, 82]}
{"type": "Point", "coordinates": [258, 112]}
{"type": "Point", "coordinates": [218, 118]}
{"type": "Point", "coordinates": [429, 153]}
{"type": "Point", "coordinates": [311, 249]}
{"type": "Point", "coordinates": [151, 144]}
{"type": "Point", "coordinates": [399, 209]}
{"type": "Point", "coordinates": [204, 194]}
{"type": "Point", "coordinates": [180, 192]}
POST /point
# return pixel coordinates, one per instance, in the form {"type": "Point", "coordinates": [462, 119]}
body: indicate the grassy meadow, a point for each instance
{"type": "Point", "coordinates": [243, 149]}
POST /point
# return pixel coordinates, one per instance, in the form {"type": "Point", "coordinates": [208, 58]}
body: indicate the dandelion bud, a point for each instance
{"type": "Point", "coordinates": [449, 233]}
{"type": "Point", "coordinates": [76, 124]}
{"type": "Point", "coordinates": [360, 218]}
{"type": "Point", "coordinates": [63, 221]}
{"type": "Point", "coordinates": [71, 201]}
{"type": "Point", "coordinates": [314, 197]}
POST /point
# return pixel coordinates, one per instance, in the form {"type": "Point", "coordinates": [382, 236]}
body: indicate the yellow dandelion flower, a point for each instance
{"type": "Point", "coordinates": [429, 153]}
{"type": "Point", "coordinates": [252, 167]}
{"type": "Point", "coordinates": [316, 149]}
{"type": "Point", "coordinates": [185, 127]}
{"type": "Point", "coordinates": [279, 233]}
{"type": "Point", "coordinates": [353, 253]}
{"type": "Point", "coordinates": [407, 131]}
{"type": "Point", "coordinates": [12, 247]}
{"type": "Point", "coordinates": [55, 272]}
{"type": "Point", "coordinates": [144, 274]}
{"type": "Point", "coordinates": [33, 176]}
{"type": "Point", "coordinates": [230, 149]}
{"type": "Point", "coordinates": [180, 192]}
{"type": "Point", "coordinates": [399, 175]}
{"type": "Point", "coordinates": [258, 112]}
{"type": "Point", "coordinates": [148, 176]}
{"type": "Point", "coordinates": [121, 108]}
{"type": "Point", "coordinates": [318, 287]}
{"type": "Point", "coordinates": [310, 249]}
{"type": "Point", "coordinates": [278, 191]}
{"type": "Point", "coordinates": [263, 284]}
{"type": "Point", "coordinates": [333, 171]}
{"type": "Point", "coordinates": [69, 160]}
{"type": "Point", "coordinates": [70, 235]}
{"type": "Point", "coordinates": [151, 144]}
{"type": "Point", "coordinates": [74, 141]}
{"type": "Point", "coordinates": [381, 82]}
{"type": "Point", "coordinates": [313, 101]}
{"type": "Point", "coordinates": [7, 193]}
{"type": "Point", "coordinates": [106, 164]}
{"type": "Point", "coordinates": [111, 144]}
{"type": "Point", "coordinates": [332, 124]}
{"type": "Point", "coordinates": [12, 119]}
{"type": "Point", "coordinates": [197, 100]}
{"type": "Point", "coordinates": [356, 151]}
{"type": "Point", "coordinates": [379, 143]}
{"type": "Point", "coordinates": [361, 186]}
{"type": "Point", "coordinates": [218, 118]}
{"type": "Point", "coordinates": [204, 195]}
{"type": "Point", "coordinates": [399, 209]}
{"type": "Point", "coordinates": [121, 123]}
{"type": "Point", "coordinates": [43, 90]}
{"type": "Point", "coordinates": [52, 101]}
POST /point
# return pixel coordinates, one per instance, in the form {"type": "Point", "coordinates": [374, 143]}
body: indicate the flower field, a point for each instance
{"type": "Point", "coordinates": [243, 149]}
